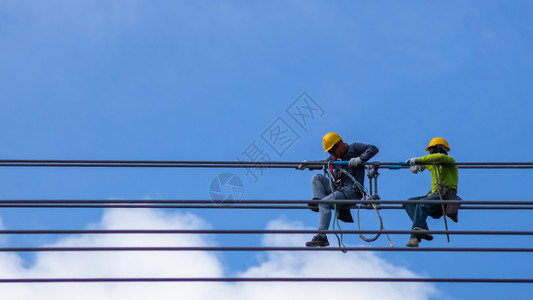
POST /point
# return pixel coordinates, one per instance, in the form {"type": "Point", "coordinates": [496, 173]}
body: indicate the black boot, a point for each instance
{"type": "Point", "coordinates": [318, 241]}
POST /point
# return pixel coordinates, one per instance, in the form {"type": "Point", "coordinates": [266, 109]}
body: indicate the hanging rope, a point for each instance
{"type": "Point", "coordinates": [335, 219]}
{"type": "Point", "coordinates": [358, 186]}
{"type": "Point", "coordinates": [381, 227]}
{"type": "Point", "coordinates": [364, 192]}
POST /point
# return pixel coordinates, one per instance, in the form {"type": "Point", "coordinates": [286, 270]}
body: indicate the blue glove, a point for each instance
{"type": "Point", "coordinates": [355, 162]}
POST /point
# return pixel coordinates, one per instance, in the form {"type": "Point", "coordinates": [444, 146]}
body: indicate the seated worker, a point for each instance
{"type": "Point", "coordinates": [446, 175]}
{"type": "Point", "coordinates": [343, 187]}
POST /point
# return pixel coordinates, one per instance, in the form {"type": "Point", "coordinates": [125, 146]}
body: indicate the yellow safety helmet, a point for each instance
{"type": "Point", "coordinates": [329, 140]}
{"type": "Point", "coordinates": [438, 141]}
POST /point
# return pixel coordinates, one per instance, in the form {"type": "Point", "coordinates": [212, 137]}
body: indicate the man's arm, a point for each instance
{"type": "Point", "coordinates": [367, 151]}
{"type": "Point", "coordinates": [437, 158]}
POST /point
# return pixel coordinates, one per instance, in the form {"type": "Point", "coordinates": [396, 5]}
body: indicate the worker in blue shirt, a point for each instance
{"type": "Point", "coordinates": [343, 187]}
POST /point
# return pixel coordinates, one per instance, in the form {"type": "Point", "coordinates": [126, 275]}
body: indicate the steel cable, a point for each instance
{"type": "Point", "coordinates": [232, 206]}
{"type": "Point", "coordinates": [269, 279]}
{"type": "Point", "coordinates": [248, 249]}
{"type": "Point", "coordinates": [255, 231]}
{"type": "Point", "coordinates": [256, 204]}
{"type": "Point", "coordinates": [237, 202]}
{"type": "Point", "coordinates": [233, 164]}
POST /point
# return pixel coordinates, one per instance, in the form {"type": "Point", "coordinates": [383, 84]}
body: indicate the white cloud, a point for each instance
{"type": "Point", "coordinates": [197, 264]}
{"type": "Point", "coordinates": [327, 264]}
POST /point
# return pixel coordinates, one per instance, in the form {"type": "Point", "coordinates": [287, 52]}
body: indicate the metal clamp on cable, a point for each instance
{"type": "Point", "coordinates": [372, 173]}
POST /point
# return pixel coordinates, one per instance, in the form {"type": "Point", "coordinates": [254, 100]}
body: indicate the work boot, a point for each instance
{"type": "Point", "coordinates": [318, 241]}
{"type": "Point", "coordinates": [422, 234]}
{"type": "Point", "coordinates": [413, 243]}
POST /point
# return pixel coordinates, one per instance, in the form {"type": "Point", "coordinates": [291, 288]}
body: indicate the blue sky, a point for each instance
{"type": "Point", "coordinates": [203, 80]}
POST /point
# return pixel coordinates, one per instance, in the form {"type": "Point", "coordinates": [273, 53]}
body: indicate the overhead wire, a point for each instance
{"type": "Point", "coordinates": [229, 206]}
{"type": "Point", "coordinates": [252, 204]}
{"type": "Point", "coordinates": [248, 249]}
{"type": "Point", "coordinates": [234, 164]}
{"type": "Point", "coordinates": [253, 231]}
{"type": "Point", "coordinates": [193, 201]}
{"type": "Point", "coordinates": [268, 279]}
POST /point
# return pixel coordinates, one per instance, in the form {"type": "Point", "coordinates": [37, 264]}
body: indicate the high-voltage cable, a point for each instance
{"type": "Point", "coordinates": [219, 206]}
{"type": "Point", "coordinates": [253, 204]}
{"type": "Point", "coordinates": [237, 202]}
{"type": "Point", "coordinates": [257, 231]}
{"type": "Point", "coordinates": [236, 164]}
{"type": "Point", "coordinates": [268, 279]}
{"type": "Point", "coordinates": [248, 249]}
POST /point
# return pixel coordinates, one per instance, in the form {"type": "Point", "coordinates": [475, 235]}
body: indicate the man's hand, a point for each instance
{"type": "Point", "coordinates": [355, 162]}
{"type": "Point", "coordinates": [413, 164]}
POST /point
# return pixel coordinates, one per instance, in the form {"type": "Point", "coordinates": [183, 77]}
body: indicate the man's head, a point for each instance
{"type": "Point", "coordinates": [333, 144]}
{"type": "Point", "coordinates": [438, 145]}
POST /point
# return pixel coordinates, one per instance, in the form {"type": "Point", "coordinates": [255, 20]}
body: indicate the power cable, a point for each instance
{"type": "Point", "coordinates": [256, 231]}
{"type": "Point", "coordinates": [247, 249]}
{"type": "Point", "coordinates": [346, 202]}
{"type": "Point", "coordinates": [235, 164]}
{"type": "Point", "coordinates": [232, 206]}
{"type": "Point", "coordinates": [269, 279]}
{"type": "Point", "coordinates": [255, 204]}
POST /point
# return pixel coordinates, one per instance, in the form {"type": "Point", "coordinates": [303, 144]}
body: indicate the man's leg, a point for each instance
{"type": "Point", "coordinates": [418, 214]}
{"type": "Point", "coordinates": [410, 207]}
{"type": "Point", "coordinates": [320, 186]}
{"type": "Point", "coordinates": [422, 211]}
{"type": "Point", "coordinates": [324, 210]}
{"type": "Point", "coordinates": [324, 218]}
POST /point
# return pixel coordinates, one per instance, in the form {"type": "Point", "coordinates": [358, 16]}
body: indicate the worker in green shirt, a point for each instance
{"type": "Point", "coordinates": [445, 175]}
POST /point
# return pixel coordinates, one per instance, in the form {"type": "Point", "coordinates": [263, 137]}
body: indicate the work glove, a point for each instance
{"type": "Point", "coordinates": [301, 166]}
{"type": "Point", "coordinates": [413, 164]}
{"type": "Point", "coordinates": [355, 162]}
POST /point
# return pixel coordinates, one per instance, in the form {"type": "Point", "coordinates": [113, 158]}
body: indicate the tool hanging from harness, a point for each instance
{"type": "Point", "coordinates": [372, 172]}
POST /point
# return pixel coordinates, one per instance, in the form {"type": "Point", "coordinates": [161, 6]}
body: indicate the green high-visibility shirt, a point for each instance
{"type": "Point", "coordinates": [449, 175]}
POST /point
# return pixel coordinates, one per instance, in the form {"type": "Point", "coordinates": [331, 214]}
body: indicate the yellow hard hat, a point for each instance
{"type": "Point", "coordinates": [438, 141]}
{"type": "Point", "coordinates": [329, 140]}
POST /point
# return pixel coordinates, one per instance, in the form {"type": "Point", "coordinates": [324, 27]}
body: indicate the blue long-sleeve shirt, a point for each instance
{"type": "Point", "coordinates": [364, 152]}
